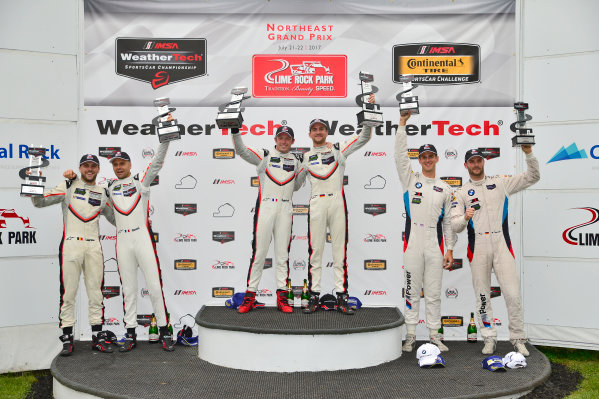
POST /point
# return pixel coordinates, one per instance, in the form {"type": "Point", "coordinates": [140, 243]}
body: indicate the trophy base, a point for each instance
{"type": "Point", "coordinates": [169, 134]}
{"type": "Point", "coordinates": [29, 190]}
{"type": "Point", "coordinates": [409, 104]}
{"type": "Point", "coordinates": [229, 120]}
{"type": "Point", "coordinates": [370, 118]}
{"type": "Point", "coordinates": [523, 140]}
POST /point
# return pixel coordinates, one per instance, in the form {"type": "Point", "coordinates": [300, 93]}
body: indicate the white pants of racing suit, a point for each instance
{"type": "Point", "coordinates": [327, 210]}
{"type": "Point", "coordinates": [423, 263]}
{"type": "Point", "coordinates": [491, 252]}
{"type": "Point", "coordinates": [273, 217]}
{"type": "Point", "coordinates": [135, 248]}
{"type": "Point", "coordinates": [77, 255]}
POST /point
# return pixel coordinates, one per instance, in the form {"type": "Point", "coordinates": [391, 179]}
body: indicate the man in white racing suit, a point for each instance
{"type": "Point", "coordinates": [427, 202]}
{"type": "Point", "coordinates": [135, 245]}
{"type": "Point", "coordinates": [82, 203]}
{"type": "Point", "coordinates": [325, 168]}
{"type": "Point", "coordinates": [277, 171]}
{"type": "Point", "coordinates": [482, 206]}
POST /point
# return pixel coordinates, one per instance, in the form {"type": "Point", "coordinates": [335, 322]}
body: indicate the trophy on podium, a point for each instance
{"type": "Point", "coordinates": [34, 181]}
{"type": "Point", "coordinates": [229, 114]}
{"type": "Point", "coordinates": [407, 101]}
{"type": "Point", "coordinates": [523, 135]}
{"type": "Point", "coordinates": [166, 126]}
{"type": "Point", "coordinates": [371, 114]}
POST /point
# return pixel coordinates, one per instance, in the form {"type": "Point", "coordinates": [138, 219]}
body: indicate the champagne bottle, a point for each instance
{"type": "Point", "coordinates": [441, 332]}
{"type": "Point", "coordinates": [305, 296]}
{"type": "Point", "coordinates": [153, 332]}
{"type": "Point", "coordinates": [472, 336]}
{"type": "Point", "coordinates": [168, 322]}
{"type": "Point", "coordinates": [290, 298]}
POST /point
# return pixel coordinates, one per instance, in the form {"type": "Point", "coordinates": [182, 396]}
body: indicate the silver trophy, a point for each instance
{"type": "Point", "coordinates": [407, 101]}
{"type": "Point", "coordinates": [34, 181]}
{"type": "Point", "coordinates": [229, 115]}
{"type": "Point", "coordinates": [371, 114]}
{"type": "Point", "coordinates": [166, 126]}
{"type": "Point", "coordinates": [523, 135]}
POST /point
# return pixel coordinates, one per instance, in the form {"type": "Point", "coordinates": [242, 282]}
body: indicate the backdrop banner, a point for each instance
{"type": "Point", "coordinates": [297, 65]}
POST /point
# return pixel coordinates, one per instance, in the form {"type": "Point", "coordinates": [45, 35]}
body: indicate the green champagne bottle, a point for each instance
{"type": "Point", "coordinates": [168, 322]}
{"type": "Point", "coordinates": [153, 332]}
{"type": "Point", "coordinates": [441, 332]}
{"type": "Point", "coordinates": [290, 298]}
{"type": "Point", "coordinates": [472, 336]}
{"type": "Point", "coordinates": [305, 296]}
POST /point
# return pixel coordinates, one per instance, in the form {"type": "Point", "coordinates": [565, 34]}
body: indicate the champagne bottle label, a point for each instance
{"type": "Point", "coordinates": [472, 337]}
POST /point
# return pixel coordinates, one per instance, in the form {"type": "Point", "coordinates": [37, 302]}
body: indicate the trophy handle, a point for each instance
{"type": "Point", "coordinates": [223, 107]}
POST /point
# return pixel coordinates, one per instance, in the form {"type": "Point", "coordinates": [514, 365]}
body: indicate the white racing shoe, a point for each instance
{"type": "Point", "coordinates": [436, 340]}
{"type": "Point", "coordinates": [490, 344]}
{"type": "Point", "coordinates": [409, 343]}
{"type": "Point", "coordinates": [520, 347]}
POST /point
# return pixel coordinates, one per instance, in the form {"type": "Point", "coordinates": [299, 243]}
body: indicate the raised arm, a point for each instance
{"type": "Point", "coordinates": [301, 173]}
{"type": "Point", "coordinates": [356, 142]}
{"type": "Point", "coordinates": [402, 160]}
{"type": "Point", "coordinates": [524, 180]}
{"type": "Point", "coordinates": [51, 197]}
{"type": "Point", "coordinates": [154, 166]}
{"type": "Point", "coordinates": [247, 154]}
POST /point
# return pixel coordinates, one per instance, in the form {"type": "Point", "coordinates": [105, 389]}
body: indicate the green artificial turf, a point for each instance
{"type": "Point", "coordinates": [16, 385]}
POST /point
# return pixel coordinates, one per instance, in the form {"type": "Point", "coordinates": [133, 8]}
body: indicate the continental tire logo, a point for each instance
{"type": "Point", "coordinates": [223, 153]}
{"type": "Point", "coordinates": [300, 209]}
{"type": "Point", "coordinates": [452, 321]}
{"type": "Point", "coordinates": [413, 153]}
{"type": "Point", "coordinates": [375, 264]}
{"type": "Point", "coordinates": [437, 63]}
{"type": "Point", "coordinates": [185, 264]}
{"type": "Point", "coordinates": [453, 181]}
{"type": "Point", "coordinates": [222, 292]}
{"type": "Point", "coordinates": [254, 181]}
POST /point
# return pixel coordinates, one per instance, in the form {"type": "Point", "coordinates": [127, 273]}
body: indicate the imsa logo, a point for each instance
{"type": "Point", "coordinates": [223, 153]}
{"type": "Point", "coordinates": [185, 264]}
{"type": "Point", "coordinates": [182, 292]}
{"type": "Point", "coordinates": [375, 264]}
{"type": "Point", "coordinates": [223, 292]}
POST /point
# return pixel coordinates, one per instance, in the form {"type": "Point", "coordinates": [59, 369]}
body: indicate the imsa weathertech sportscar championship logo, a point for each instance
{"type": "Point", "coordinates": [309, 75]}
{"type": "Point", "coordinates": [186, 209]}
{"type": "Point", "coordinates": [108, 152]}
{"type": "Point", "coordinates": [223, 153]}
{"type": "Point", "coordinates": [437, 63]}
{"type": "Point", "coordinates": [111, 291]}
{"type": "Point", "coordinates": [185, 264]}
{"type": "Point", "coordinates": [375, 264]}
{"type": "Point", "coordinates": [375, 209]}
{"type": "Point", "coordinates": [223, 236]}
{"type": "Point", "coordinates": [160, 61]}
{"type": "Point", "coordinates": [222, 292]}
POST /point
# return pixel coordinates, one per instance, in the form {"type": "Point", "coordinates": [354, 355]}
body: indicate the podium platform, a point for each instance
{"type": "Point", "coordinates": [269, 340]}
{"type": "Point", "coordinates": [148, 372]}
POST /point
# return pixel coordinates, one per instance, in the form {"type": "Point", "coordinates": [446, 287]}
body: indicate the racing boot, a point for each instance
{"type": "Point", "coordinates": [101, 342]}
{"type": "Point", "coordinates": [313, 303]}
{"type": "Point", "coordinates": [67, 345]}
{"type": "Point", "coordinates": [520, 347]}
{"type": "Point", "coordinates": [436, 340]}
{"type": "Point", "coordinates": [129, 342]}
{"type": "Point", "coordinates": [490, 345]}
{"type": "Point", "coordinates": [248, 302]}
{"type": "Point", "coordinates": [342, 305]}
{"type": "Point", "coordinates": [409, 343]}
{"type": "Point", "coordinates": [167, 342]}
{"type": "Point", "coordinates": [282, 303]}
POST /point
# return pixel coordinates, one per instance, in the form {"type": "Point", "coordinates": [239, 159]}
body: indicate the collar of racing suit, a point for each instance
{"type": "Point", "coordinates": [478, 182]}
